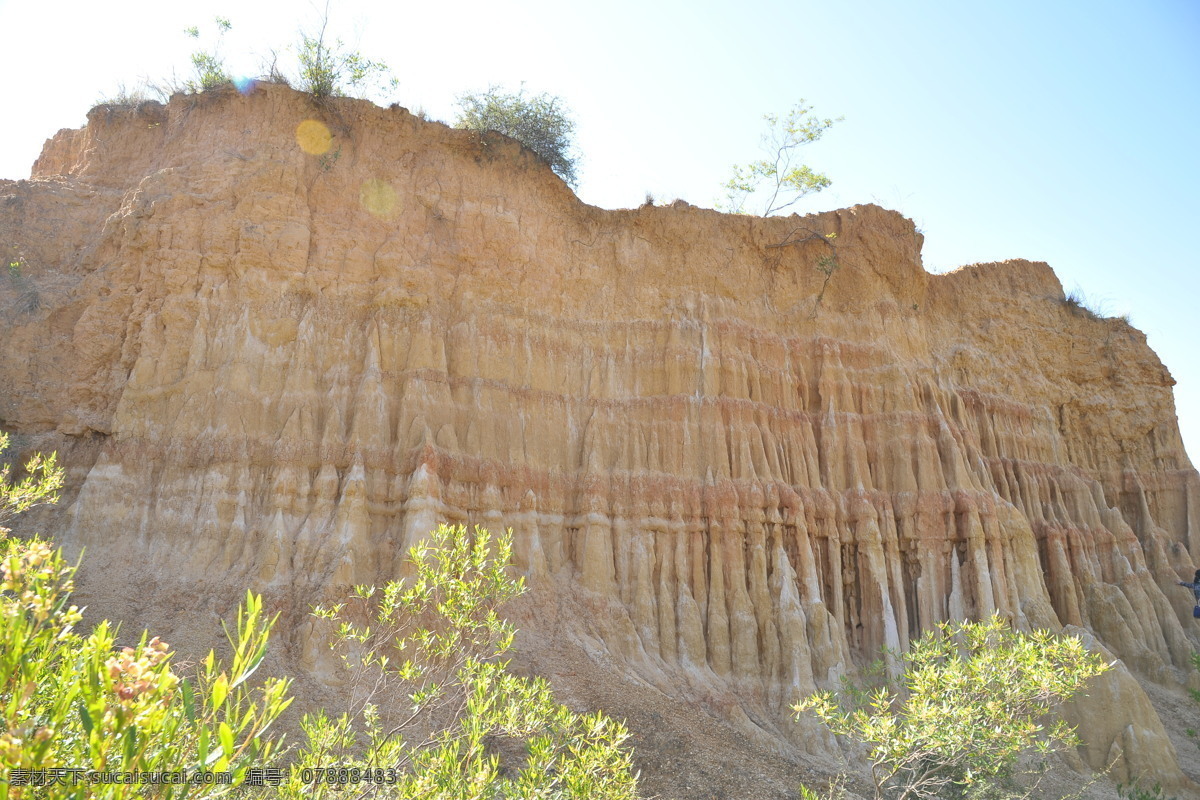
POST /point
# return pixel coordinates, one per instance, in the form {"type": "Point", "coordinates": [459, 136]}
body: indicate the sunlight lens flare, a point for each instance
{"type": "Point", "coordinates": [243, 84]}
{"type": "Point", "coordinates": [313, 137]}
{"type": "Point", "coordinates": [378, 197]}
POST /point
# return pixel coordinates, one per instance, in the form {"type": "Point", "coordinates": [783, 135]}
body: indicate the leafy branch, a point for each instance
{"type": "Point", "coordinates": [779, 178]}
{"type": "Point", "coordinates": [972, 699]}
{"type": "Point", "coordinates": [209, 64]}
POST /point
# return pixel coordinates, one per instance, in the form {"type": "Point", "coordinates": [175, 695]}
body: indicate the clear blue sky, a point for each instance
{"type": "Point", "coordinates": [1065, 132]}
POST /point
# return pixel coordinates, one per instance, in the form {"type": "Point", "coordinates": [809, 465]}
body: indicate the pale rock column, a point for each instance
{"type": "Point", "coordinates": [423, 508]}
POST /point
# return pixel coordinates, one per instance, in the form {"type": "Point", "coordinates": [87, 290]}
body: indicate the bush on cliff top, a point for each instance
{"type": "Point", "coordinates": [209, 64]}
{"type": "Point", "coordinates": [542, 123]}
{"type": "Point", "coordinates": [329, 69]}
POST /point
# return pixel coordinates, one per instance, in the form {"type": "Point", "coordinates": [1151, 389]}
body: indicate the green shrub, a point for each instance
{"type": "Point", "coordinates": [72, 703]}
{"type": "Point", "coordinates": [779, 178]}
{"type": "Point", "coordinates": [972, 699]}
{"type": "Point", "coordinates": [1137, 791]}
{"type": "Point", "coordinates": [41, 484]}
{"type": "Point", "coordinates": [436, 711]}
{"type": "Point", "coordinates": [209, 64]}
{"type": "Point", "coordinates": [328, 69]}
{"type": "Point", "coordinates": [541, 123]}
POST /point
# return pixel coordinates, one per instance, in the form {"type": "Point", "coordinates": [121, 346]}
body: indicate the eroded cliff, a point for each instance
{"type": "Point", "coordinates": [738, 455]}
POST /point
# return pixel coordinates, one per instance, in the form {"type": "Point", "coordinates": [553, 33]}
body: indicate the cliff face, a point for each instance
{"type": "Point", "coordinates": [278, 342]}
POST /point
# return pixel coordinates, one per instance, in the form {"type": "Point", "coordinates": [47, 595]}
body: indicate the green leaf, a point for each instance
{"type": "Point", "coordinates": [202, 747]}
{"type": "Point", "coordinates": [130, 747]}
{"type": "Point", "coordinates": [189, 700]}
{"type": "Point", "coordinates": [226, 735]}
{"type": "Point", "coordinates": [254, 664]}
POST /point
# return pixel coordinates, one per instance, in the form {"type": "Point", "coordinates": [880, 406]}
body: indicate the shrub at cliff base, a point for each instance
{"type": "Point", "coordinates": [80, 712]}
{"type": "Point", "coordinates": [471, 729]}
{"type": "Point", "coordinates": [76, 705]}
{"type": "Point", "coordinates": [973, 698]}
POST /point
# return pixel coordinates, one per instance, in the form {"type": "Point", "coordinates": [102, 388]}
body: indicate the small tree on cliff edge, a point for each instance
{"type": "Point", "coordinates": [542, 123]}
{"type": "Point", "coordinates": [779, 179]}
{"type": "Point", "coordinates": [973, 698]}
{"type": "Point", "coordinates": [329, 69]}
{"type": "Point", "coordinates": [209, 64]}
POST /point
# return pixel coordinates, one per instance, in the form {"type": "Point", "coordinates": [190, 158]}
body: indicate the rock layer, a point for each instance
{"type": "Point", "coordinates": [746, 452]}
